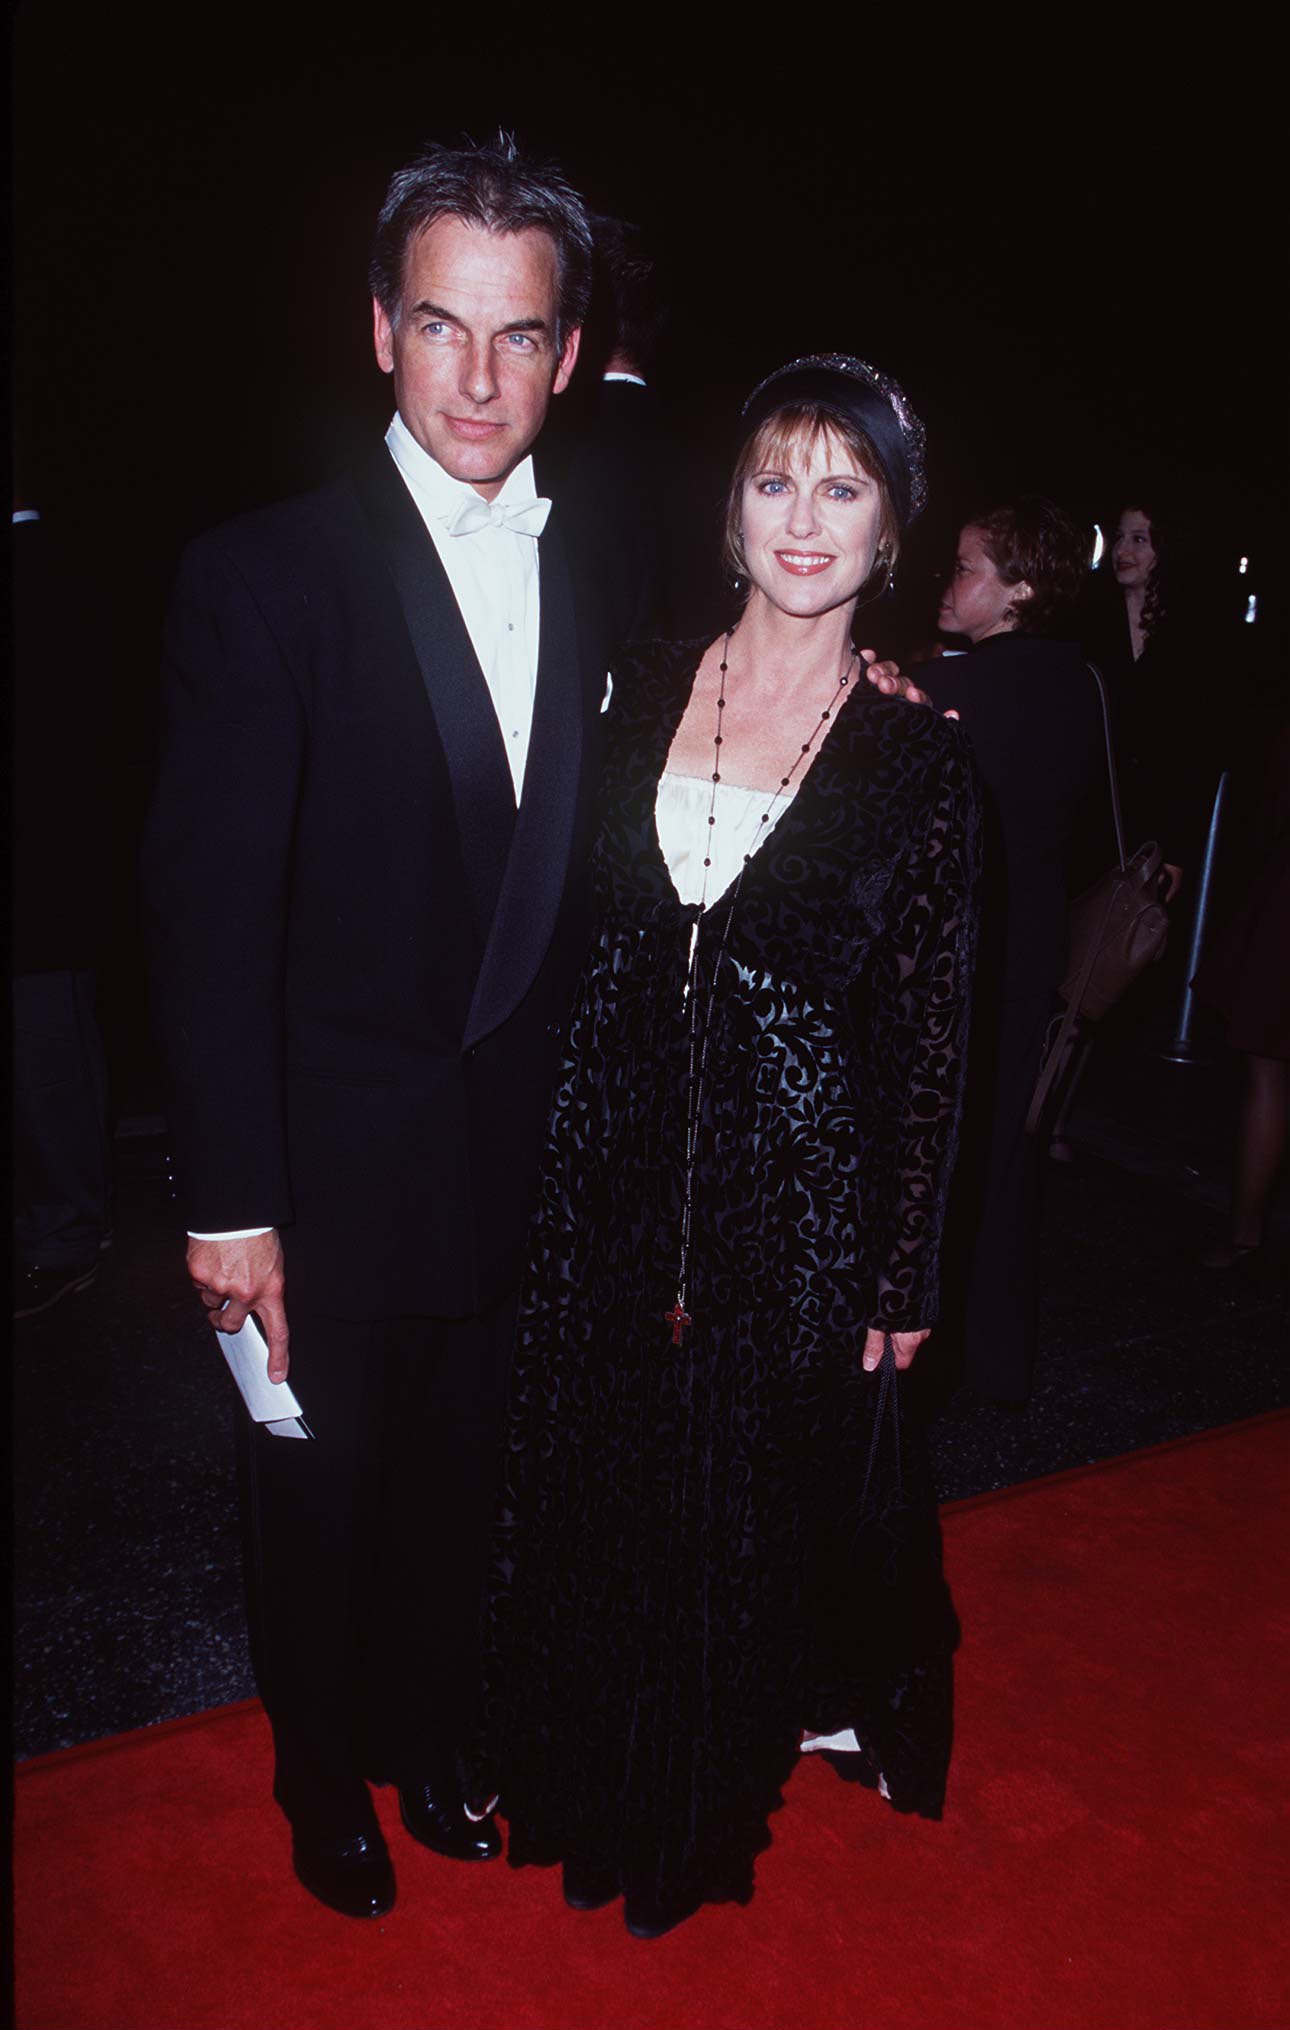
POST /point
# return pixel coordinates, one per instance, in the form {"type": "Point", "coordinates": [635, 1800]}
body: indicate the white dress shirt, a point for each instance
{"type": "Point", "coordinates": [493, 571]}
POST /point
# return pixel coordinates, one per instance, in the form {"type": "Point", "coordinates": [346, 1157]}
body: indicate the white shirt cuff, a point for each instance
{"type": "Point", "coordinates": [241, 1233]}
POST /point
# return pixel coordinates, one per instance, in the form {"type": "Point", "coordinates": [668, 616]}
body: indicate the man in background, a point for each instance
{"type": "Point", "coordinates": [60, 1117]}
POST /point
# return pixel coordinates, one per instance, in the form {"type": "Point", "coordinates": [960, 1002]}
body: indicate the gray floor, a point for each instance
{"type": "Point", "coordinates": [128, 1602]}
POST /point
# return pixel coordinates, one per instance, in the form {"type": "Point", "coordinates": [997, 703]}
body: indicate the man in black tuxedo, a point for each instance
{"type": "Point", "coordinates": [363, 867]}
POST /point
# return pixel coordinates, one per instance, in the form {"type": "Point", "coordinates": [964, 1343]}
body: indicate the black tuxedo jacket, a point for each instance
{"type": "Point", "coordinates": [362, 953]}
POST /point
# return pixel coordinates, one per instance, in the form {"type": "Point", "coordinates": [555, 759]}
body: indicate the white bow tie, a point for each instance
{"type": "Point", "coordinates": [525, 517]}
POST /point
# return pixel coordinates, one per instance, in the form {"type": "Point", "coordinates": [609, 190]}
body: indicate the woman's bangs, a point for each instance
{"type": "Point", "coordinates": [790, 438]}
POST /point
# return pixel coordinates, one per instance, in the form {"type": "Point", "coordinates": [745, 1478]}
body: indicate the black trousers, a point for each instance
{"type": "Point", "coordinates": [366, 1556]}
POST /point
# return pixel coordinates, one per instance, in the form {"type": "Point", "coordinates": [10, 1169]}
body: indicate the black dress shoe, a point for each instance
{"type": "Point", "coordinates": [446, 1828]}
{"type": "Point", "coordinates": [585, 1889]}
{"type": "Point", "coordinates": [352, 1876]}
{"type": "Point", "coordinates": [650, 1917]}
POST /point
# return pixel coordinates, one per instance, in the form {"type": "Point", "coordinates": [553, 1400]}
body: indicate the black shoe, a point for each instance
{"type": "Point", "coordinates": [352, 1876]}
{"type": "Point", "coordinates": [447, 1828]}
{"type": "Point", "coordinates": [584, 1889]}
{"type": "Point", "coordinates": [650, 1918]}
{"type": "Point", "coordinates": [37, 1289]}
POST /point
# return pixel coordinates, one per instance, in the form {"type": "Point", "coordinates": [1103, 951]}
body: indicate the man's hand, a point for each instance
{"type": "Point", "coordinates": [886, 677]}
{"type": "Point", "coordinates": [905, 1344]}
{"type": "Point", "coordinates": [1175, 879]}
{"type": "Point", "coordinates": [234, 1277]}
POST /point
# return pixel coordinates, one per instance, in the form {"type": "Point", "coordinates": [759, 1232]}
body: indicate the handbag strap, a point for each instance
{"type": "Point", "coordinates": [1054, 1065]}
{"type": "Point", "coordinates": [1055, 1055]}
{"type": "Point", "coordinates": [1111, 775]}
{"type": "Point", "coordinates": [886, 1394]}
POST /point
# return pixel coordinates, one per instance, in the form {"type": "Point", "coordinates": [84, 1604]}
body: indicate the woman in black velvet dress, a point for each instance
{"type": "Point", "coordinates": [715, 1533]}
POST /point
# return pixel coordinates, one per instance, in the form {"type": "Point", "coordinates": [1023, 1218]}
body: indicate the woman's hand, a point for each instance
{"type": "Point", "coordinates": [906, 1345]}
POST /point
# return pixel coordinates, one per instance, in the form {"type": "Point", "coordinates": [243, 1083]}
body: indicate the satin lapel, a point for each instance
{"type": "Point", "coordinates": [539, 858]}
{"type": "Point", "coordinates": [483, 796]}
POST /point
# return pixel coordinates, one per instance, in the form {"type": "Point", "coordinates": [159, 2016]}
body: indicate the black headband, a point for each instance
{"type": "Point", "coordinates": [863, 396]}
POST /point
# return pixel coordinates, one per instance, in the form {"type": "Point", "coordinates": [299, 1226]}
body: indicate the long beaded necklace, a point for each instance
{"type": "Point", "coordinates": [701, 1030]}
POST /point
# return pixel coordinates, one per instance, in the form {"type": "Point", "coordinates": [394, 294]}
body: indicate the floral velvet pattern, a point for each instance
{"type": "Point", "coordinates": [704, 1548]}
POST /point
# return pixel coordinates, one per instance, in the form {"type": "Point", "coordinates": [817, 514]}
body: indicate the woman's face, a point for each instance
{"type": "Point", "coordinates": [810, 528]}
{"type": "Point", "coordinates": [1133, 555]}
{"type": "Point", "coordinates": [976, 601]}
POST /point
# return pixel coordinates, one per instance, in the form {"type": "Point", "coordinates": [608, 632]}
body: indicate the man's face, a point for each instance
{"type": "Point", "coordinates": [473, 352]}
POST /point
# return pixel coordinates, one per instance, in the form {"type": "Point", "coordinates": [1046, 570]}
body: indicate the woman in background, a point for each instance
{"type": "Point", "coordinates": [1029, 708]}
{"type": "Point", "coordinates": [1135, 642]}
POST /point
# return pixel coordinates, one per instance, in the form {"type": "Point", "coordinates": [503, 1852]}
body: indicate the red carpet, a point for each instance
{"type": "Point", "coordinates": [1112, 1857]}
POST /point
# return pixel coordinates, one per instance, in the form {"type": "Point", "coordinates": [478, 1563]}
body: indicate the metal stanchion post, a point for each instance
{"type": "Point", "coordinates": [1181, 1049]}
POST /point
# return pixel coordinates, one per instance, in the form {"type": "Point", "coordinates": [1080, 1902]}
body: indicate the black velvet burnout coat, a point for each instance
{"type": "Point", "coordinates": [705, 1546]}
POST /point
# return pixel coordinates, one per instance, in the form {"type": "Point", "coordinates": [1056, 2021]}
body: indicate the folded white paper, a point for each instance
{"type": "Point", "coordinates": [270, 1403]}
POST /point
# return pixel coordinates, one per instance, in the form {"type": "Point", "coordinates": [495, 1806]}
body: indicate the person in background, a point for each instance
{"type": "Point", "coordinates": [1245, 975]}
{"type": "Point", "coordinates": [1146, 623]}
{"type": "Point", "coordinates": [1030, 711]}
{"type": "Point", "coordinates": [1138, 555]}
{"type": "Point", "coordinates": [1149, 615]}
{"type": "Point", "coordinates": [636, 488]}
{"type": "Point", "coordinates": [605, 446]}
{"type": "Point", "coordinates": [62, 1189]}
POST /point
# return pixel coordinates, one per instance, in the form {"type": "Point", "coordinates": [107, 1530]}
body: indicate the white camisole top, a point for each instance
{"type": "Point", "coordinates": [681, 814]}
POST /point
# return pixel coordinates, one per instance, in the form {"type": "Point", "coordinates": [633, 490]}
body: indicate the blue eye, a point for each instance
{"type": "Point", "coordinates": [841, 492]}
{"type": "Point", "coordinates": [770, 486]}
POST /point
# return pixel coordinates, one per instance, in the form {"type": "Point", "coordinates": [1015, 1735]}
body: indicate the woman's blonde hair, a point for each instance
{"type": "Point", "coordinates": [788, 438]}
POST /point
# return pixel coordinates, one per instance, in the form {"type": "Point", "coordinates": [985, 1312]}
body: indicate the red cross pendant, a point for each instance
{"type": "Point", "coordinates": [678, 1318]}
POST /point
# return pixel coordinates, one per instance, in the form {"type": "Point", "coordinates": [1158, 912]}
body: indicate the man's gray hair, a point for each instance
{"type": "Point", "coordinates": [492, 186]}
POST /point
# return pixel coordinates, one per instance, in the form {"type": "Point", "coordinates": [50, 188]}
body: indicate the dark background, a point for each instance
{"type": "Point", "coordinates": [1060, 232]}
